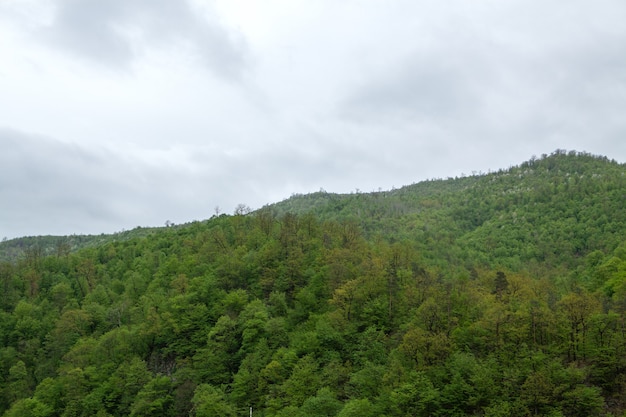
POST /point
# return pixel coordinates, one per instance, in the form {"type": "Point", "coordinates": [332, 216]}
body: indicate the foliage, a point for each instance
{"type": "Point", "coordinates": [489, 295]}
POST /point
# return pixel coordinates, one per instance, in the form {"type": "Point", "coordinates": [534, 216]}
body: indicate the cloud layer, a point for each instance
{"type": "Point", "coordinates": [132, 112]}
{"type": "Point", "coordinates": [119, 32]}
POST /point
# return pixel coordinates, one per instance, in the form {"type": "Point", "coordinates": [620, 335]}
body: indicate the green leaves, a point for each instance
{"type": "Point", "coordinates": [154, 399]}
{"type": "Point", "coordinates": [491, 295]}
{"type": "Point", "coordinates": [209, 401]}
{"type": "Point", "coordinates": [29, 407]}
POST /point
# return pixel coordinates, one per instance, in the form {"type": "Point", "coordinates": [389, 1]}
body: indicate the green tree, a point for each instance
{"type": "Point", "coordinates": [582, 401]}
{"type": "Point", "coordinates": [209, 401]}
{"type": "Point", "coordinates": [19, 382]}
{"type": "Point", "coordinates": [29, 407]}
{"type": "Point", "coordinates": [416, 397]}
{"type": "Point", "coordinates": [49, 392]}
{"type": "Point", "coordinates": [323, 404]}
{"type": "Point", "coordinates": [303, 382]}
{"type": "Point", "coordinates": [357, 408]}
{"type": "Point", "coordinates": [501, 284]}
{"type": "Point", "coordinates": [122, 387]}
{"type": "Point", "coordinates": [219, 359]}
{"type": "Point", "coordinates": [154, 399]}
{"type": "Point", "coordinates": [578, 308]}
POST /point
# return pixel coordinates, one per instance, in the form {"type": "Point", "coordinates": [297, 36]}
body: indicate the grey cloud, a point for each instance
{"type": "Point", "coordinates": [435, 82]}
{"type": "Point", "coordinates": [422, 90]}
{"type": "Point", "coordinates": [88, 29]}
{"type": "Point", "coordinates": [45, 184]}
{"type": "Point", "coordinates": [575, 94]}
{"type": "Point", "coordinates": [48, 185]}
{"type": "Point", "coordinates": [116, 32]}
{"type": "Point", "coordinates": [522, 82]}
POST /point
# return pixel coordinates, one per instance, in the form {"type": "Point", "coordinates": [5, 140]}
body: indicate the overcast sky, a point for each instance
{"type": "Point", "coordinates": [123, 113]}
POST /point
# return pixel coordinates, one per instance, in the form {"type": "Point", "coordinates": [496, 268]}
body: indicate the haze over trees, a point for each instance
{"type": "Point", "coordinates": [498, 294]}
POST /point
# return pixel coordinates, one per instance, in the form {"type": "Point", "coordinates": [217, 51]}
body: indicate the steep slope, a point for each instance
{"type": "Point", "coordinates": [414, 313]}
{"type": "Point", "coordinates": [19, 248]}
{"type": "Point", "coordinates": [555, 209]}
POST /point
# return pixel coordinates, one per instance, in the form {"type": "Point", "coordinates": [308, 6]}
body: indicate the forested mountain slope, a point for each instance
{"type": "Point", "coordinates": [552, 210]}
{"type": "Point", "coordinates": [492, 295]}
{"type": "Point", "coordinates": [22, 247]}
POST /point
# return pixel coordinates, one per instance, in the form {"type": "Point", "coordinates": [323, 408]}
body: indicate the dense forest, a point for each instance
{"type": "Point", "coordinates": [493, 294]}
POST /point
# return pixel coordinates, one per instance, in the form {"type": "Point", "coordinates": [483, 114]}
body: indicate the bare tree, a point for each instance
{"type": "Point", "coordinates": [242, 209]}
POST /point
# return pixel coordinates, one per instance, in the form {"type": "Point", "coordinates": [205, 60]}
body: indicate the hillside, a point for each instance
{"type": "Point", "coordinates": [15, 249]}
{"type": "Point", "coordinates": [499, 294]}
{"type": "Point", "coordinates": [552, 210]}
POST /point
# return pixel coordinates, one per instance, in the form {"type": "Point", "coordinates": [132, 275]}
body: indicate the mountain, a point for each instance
{"type": "Point", "coordinates": [19, 248]}
{"type": "Point", "coordinates": [554, 209]}
{"type": "Point", "coordinates": [487, 295]}
{"type": "Point", "coordinates": [558, 207]}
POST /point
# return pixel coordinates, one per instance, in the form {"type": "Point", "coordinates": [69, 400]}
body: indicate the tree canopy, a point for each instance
{"type": "Point", "coordinates": [487, 295]}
